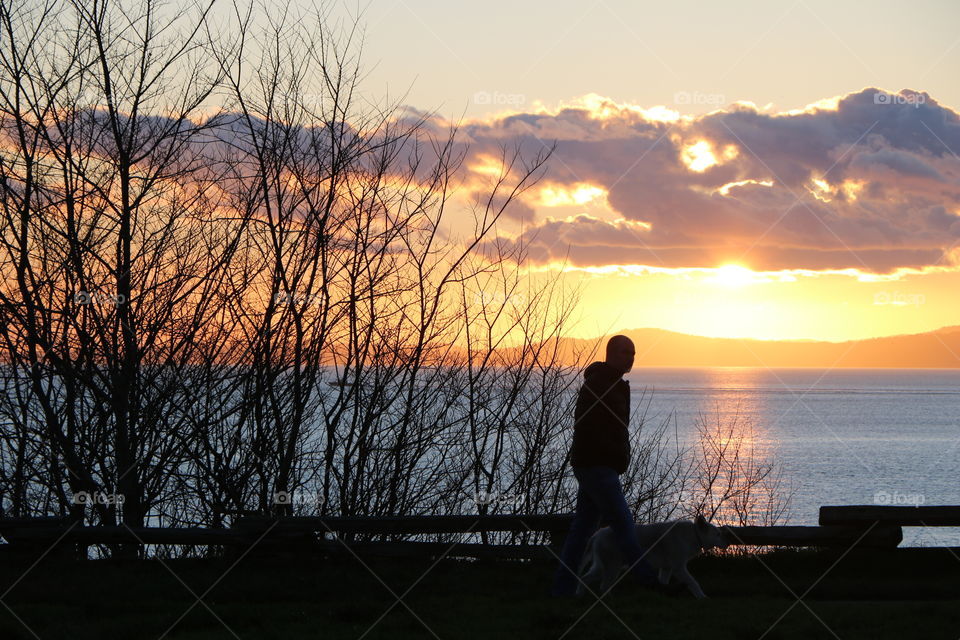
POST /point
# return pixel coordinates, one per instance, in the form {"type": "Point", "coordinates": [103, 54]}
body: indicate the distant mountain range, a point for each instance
{"type": "Point", "coordinates": [938, 349]}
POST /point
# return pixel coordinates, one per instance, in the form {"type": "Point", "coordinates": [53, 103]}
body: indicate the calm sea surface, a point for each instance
{"type": "Point", "coordinates": [842, 436]}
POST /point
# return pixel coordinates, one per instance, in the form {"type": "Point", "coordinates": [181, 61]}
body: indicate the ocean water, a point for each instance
{"type": "Point", "coordinates": [842, 436]}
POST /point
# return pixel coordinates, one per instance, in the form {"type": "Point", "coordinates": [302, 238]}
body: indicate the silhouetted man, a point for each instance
{"type": "Point", "coordinates": [599, 454]}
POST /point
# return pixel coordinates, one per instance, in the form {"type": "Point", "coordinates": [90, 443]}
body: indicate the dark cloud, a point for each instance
{"type": "Point", "coordinates": [900, 162]}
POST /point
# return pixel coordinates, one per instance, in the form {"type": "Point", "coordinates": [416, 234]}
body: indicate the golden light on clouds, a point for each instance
{"type": "Point", "coordinates": [734, 275]}
{"type": "Point", "coordinates": [487, 165]}
{"type": "Point", "coordinates": [822, 190]}
{"type": "Point", "coordinates": [699, 156]}
{"type": "Point", "coordinates": [725, 189]}
{"type": "Point", "coordinates": [730, 152]}
{"type": "Point", "coordinates": [558, 195]}
{"type": "Point", "coordinates": [603, 108]}
{"type": "Point", "coordinates": [785, 280]}
{"type": "Point", "coordinates": [660, 114]}
{"type": "Point", "coordinates": [825, 104]}
{"type": "Point", "coordinates": [852, 188]}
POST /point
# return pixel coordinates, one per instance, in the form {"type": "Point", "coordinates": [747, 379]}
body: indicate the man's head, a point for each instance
{"type": "Point", "coordinates": [620, 353]}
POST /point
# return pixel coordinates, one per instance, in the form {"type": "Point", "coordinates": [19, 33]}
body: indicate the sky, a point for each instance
{"type": "Point", "coordinates": [736, 169]}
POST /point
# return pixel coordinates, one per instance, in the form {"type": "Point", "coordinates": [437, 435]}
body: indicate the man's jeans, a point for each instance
{"type": "Point", "coordinates": [600, 495]}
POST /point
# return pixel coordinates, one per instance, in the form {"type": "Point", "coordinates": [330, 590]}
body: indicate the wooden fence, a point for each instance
{"type": "Point", "coordinates": [865, 526]}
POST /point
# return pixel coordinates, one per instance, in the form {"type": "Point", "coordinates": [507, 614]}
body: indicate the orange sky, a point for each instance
{"type": "Point", "coordinates": [848, 214]}
{"type": "Point", "coordinates": [823, 307]}
{"type": "Point", "coordinates": [835, 222]}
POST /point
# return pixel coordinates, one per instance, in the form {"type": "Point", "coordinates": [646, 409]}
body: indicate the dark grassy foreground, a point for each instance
{"type": "Point", "coordinates": [907, 593]}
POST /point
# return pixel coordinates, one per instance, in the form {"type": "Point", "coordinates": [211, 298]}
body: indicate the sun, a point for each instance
{"type": "Point", "coordinates": [733, 275]}
{"type": "Point", "coordinates": [699, 156]}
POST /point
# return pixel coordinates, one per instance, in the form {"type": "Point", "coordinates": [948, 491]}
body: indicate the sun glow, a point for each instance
{"type": "Point", "coordinates": [577, 194]}
{"type": "Point", "coordinates": [822, 190]}
{"type": "Point", "coordinates": [733, 275]}
{"type": "Point", "coordinates": [852, 189]}
{"type": "Point", "coordinates": [699, 156]}
{"type": "Point", "coordinates": [487, 165]}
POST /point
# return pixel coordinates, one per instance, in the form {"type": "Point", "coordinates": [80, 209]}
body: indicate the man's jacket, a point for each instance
{"type": "Point", "coordinates": [600, 436]}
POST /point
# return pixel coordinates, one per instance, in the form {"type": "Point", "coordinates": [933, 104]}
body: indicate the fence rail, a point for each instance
{"type": "Point", "coordinates": [840, 526]}
{"type": "Point", "coordinates": [555, 524]}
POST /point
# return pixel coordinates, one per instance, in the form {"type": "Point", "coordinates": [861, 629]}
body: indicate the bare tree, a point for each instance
{"type": "Point", "coordinates": [208, 311]}
{"type": "Point", "coordinates": [734, 480]}
{"type": "Point", "coordinates": [111, 252]}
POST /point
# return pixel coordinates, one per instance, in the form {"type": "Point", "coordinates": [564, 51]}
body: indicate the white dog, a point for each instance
{"type": "Point", "coordinates": [669, 545]}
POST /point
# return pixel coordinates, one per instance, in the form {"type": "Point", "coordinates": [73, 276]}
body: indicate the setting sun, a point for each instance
{"type": "Point", "coordinates": [733, 275]}
{"type": "Point", "coordinates": [699, 156]}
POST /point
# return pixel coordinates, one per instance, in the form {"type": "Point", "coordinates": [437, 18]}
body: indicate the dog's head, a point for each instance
{"type": "Point", "coordinates": [710, 536]}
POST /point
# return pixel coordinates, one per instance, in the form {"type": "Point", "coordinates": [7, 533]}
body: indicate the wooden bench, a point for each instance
{"type": "Point", "coordinates": [899, 515]}
{"type": "Point", "coordinates": [846, 536]}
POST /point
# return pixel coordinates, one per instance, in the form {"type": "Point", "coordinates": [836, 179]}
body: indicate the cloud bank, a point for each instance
{"type": "Point", "coordinates": [869, 181]}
